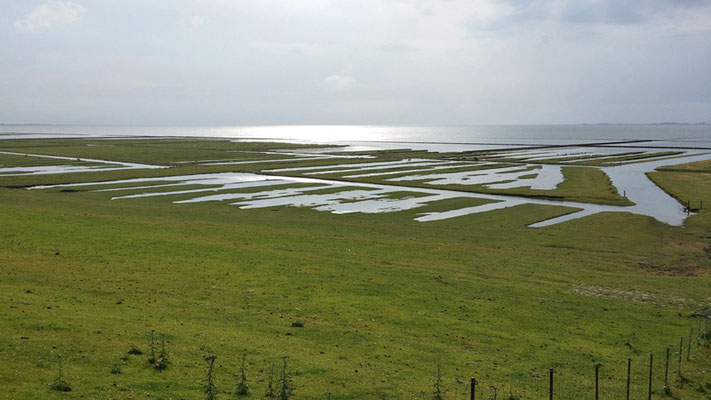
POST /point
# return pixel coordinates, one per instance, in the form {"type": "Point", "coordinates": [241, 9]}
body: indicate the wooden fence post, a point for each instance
{"type": "Point", "coordinates": [473, 388]}
{"type": "Point", "coordinates": [681, 351]}
{"type": "Point", "coordinates": [666, 370]}
{"type": "Point", "coordinates": [597, 382]}
{"type": "Point", "coordinates": [651, 361]}
{"type": "Point", "coordinates": [550, 390]}
{"type": "Point", "coordinates": [629, 367]}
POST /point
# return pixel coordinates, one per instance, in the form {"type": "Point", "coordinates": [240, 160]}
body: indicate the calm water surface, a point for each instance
{"type": "Point", "coordinates": [531, 135]}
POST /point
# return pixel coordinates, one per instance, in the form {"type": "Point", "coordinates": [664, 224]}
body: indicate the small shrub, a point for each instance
{"type": "Point", "coordinates": [683, 380]}
{"type": "Point", "coordinates": [135, 351]}
{"type": "Point", "coordinates": [210, 388]}
{"type": "Point", "coordinates": [439, 390]}
{"type": "Point", "coordinates": [705, 339]}
{"type": "Point", "coordinates": [668, 391]}
{"type": "Point", "coordinates": [495, 390]}
{"type": "Point", "coordinates": [297, 324]}
{"type": "Point", "coordinates": [116, 369]}
{"type": "Point", "coordinates": [60, 384]}
{"type": "Point", "coordinates": [286, 388]}
{"type": "Point", "coordinates": [270, 392]}
{"type": "Point", "coordinates": [513, 396]}
{"type": "Point", "coordinates": [242, 388]}
{"type": "Point", "coordinates": [162, 361]}
{"type": "Point", "coordinates": [152, 349]}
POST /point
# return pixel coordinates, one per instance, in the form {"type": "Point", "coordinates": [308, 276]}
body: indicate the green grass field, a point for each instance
{"type": "Point", "coordinates": [383, 299]}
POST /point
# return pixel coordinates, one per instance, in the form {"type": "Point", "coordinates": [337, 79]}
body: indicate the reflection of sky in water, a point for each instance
{"type": "Point", "coordinates": [573, 153]}
{"type": "Point", "coordinates": [51, 169]}
{"type": "Point", "coordinates": [62, 169]}
{"type": "Point", "coordinates": [547, 177]}
{"type": "Point", "coordinates": [409, 171]}
{"type": "Point", "coordinates": [354, 167]}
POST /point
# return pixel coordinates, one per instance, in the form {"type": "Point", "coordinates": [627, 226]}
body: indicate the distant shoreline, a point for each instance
{"type": "Point", "coordinates": [390, 125]}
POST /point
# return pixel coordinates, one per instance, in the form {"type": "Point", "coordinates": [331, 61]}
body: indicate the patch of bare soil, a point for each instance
{"type": "Point", "coordinates": [669, 270]}
{"type": "Point", "coordinates": [642, 297]}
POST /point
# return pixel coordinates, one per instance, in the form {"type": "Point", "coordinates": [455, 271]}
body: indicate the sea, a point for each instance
{"type": "Point", "coordinates": [671, 135]}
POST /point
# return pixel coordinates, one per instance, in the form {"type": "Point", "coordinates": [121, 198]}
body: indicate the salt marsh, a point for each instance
{"type": "Point", "coordinates": [376, 179]}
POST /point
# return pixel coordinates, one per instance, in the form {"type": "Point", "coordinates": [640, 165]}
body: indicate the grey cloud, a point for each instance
{"type": "Point", "coordinates": [397, 47]}
{"type": "Point", "coordinates": [585, 12]}
{"type": "Point", "coordinates": [609, 11]}
{"type": "Point", "coordinates": [359, 61]}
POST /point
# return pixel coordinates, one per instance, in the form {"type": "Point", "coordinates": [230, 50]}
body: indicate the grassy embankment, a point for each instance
{"type": "Point", "coordinates": [14, 161]}
{"type": "Point", "coordinates": [383, 299]}
{"type": "Point", "coordinates": [151, 151]}
{"type": "Point", "coordinates": [689, 184]}
{"type": "Point", "coordinates": [595, 160]}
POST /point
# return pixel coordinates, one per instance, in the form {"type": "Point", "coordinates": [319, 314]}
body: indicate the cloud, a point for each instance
{"type": "Point", "coordinates": [339, 83]}
{"type": "Point", "coordinates": [593, 12]}
{"type": "Point", "coordinates": [288, 47]}
{"type": "Point", "coordinates": [357, 61]}
{"type": "Point", "coordinates": [610, 12]}
{"type": "Point", "coordinates": [50, 14]}
{"type": "Point", "coordinates": [196, 21]}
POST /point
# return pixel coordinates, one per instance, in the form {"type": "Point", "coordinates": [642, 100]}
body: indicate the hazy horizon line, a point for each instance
{"type": "Point", "coordinates": [354, 124]}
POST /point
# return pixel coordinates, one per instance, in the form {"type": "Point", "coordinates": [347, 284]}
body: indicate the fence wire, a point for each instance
{"type": "Point", "coordinates": [641, 376]}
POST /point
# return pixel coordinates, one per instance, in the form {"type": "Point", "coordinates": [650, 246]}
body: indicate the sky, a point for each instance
{"type": "Point", "coordinates": [399, 62]}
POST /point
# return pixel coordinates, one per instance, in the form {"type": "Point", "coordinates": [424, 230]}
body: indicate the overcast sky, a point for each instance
{"type": "Point", "coordinates": [222, 62]}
